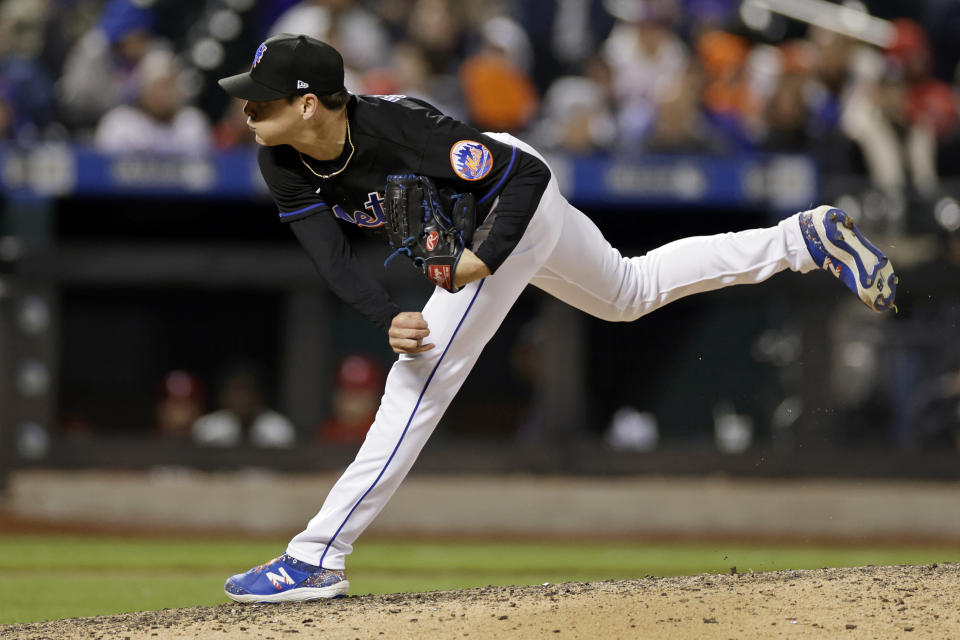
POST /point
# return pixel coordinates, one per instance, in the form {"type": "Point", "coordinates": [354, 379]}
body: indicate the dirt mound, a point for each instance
{"type": "Point", "coordinates": [865, 602]}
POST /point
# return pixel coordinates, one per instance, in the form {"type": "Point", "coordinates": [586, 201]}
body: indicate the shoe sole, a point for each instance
{"type": "Point", "coordinates": [303, 594]}
{"type": "Point", "coordinates": [856, 261]}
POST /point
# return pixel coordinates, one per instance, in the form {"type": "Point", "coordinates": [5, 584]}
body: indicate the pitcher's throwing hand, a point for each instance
{"type": "Point", "coordinates": [407, 331]}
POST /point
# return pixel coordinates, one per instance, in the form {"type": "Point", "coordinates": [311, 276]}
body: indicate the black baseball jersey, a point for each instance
{"type": "Point", "coordinates": [396, 135]}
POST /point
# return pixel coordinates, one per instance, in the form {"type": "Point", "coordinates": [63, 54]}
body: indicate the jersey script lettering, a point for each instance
{"type": "Point", "coordinates": [370, 218]}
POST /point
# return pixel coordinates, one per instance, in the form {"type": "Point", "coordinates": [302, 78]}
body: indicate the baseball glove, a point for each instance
{"type": "Point", "coordinates": [418, 226]}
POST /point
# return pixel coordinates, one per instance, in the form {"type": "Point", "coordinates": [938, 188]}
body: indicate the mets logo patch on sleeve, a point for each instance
{"type": "Point", "coordinates": [470, 160]}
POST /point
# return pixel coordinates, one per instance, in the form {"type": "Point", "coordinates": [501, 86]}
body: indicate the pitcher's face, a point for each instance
{"type": "Point", "coordinates": [273, 122]}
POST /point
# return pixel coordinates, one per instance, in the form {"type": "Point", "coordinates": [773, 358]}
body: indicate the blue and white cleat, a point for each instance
{"type": "Point", "coordinates": [838, 246]}
{"type": "Point", "coordinates": [286, 579]}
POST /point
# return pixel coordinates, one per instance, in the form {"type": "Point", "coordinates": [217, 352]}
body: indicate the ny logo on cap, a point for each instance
{"type": "Point", "coordinates": [259, 54]}
{"type": "Point", "coordinates": [302, 85]}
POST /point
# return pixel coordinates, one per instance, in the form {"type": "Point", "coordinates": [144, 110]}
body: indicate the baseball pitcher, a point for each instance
{"type": "Point", "coordinates": [481, 216]}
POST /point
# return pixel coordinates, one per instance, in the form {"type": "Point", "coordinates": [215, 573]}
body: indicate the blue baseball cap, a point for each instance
{"type": "Point", "coordinates": [121, 17]}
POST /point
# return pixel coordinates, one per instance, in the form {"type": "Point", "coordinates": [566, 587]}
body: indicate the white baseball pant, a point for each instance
{"type": "Point", "coordinates": [563, 253]}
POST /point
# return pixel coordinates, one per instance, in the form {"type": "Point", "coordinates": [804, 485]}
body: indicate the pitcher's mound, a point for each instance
{"type": "Point", "coordinates": [865, 602]}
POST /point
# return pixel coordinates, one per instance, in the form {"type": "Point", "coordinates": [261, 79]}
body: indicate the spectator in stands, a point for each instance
{"type": "Point", "coordinates": [409, 74]}
{"type": "Point", "coordinates": [896, 154]}
{"type": "Point", "coordinates": [578, 114]}
{"type": "Point", "coordinates": [899, 122]}
{"type": "Point", "coordinates": [646, 59]}
{"type": "Point", "coordinates": [786, 115]}
{"type": "Point", "coordinates": [564, 36]}
{"type": "Point", "coordinates": [347, 25]}
{"type": "Point", "coordinates": [99, 70]}
{"type": "Point", "coordinates": [394, 15]}
{"type": "Point", "coordinates": [700, 16]}
{"type": "Point", "coordinates": [728, 98]}
{"type": "Point", "coordinates": [496, 86]}
{"type": "Point", "coordinates": [681, 126]}
{"type": "Point", "coordinates": [159, 120]}
{"type": "Point", "coordinates": [243, 417]}
{"type": "Point", "coordinates": [931, 104]}
{"type": "Point", "coordinates": [182, 398]}
{"type": "Point", "coordinates": [439, 28]}
{"type": "Point", "coordinates": [26, 100]}
{"type": "Point", "coordinates": [833, 77]}
{"type": "Point", "coordinates": [355, 400]}
{"type": "Point", "coordinates": [26, 89]}
{"type": "Point", "coordinates": [787, 110]}
{"type": "Point", "coordinates": [831, 83]}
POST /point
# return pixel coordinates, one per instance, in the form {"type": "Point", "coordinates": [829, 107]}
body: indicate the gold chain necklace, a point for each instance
{"type": "Point", "coordinates": [338, 171]}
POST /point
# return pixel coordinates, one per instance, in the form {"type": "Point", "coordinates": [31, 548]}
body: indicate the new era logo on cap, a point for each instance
{"type": "Point", "coordinates": [302, 85]}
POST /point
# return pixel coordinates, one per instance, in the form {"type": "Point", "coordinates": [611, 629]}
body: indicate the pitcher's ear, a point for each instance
{"type": "Point", "coordinates": [309, 104]}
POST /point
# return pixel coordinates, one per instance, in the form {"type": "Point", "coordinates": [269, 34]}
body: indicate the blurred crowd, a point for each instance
{"type": "Point", "coordinates": [573, 75]}
{"type": "Point", "coordinates": [241, 415]}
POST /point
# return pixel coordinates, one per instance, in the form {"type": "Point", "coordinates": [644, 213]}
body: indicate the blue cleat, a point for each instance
{"type": "Point", "coordinates": [286, 579]}
{"type": "Point", "coordinates": [838, 246]}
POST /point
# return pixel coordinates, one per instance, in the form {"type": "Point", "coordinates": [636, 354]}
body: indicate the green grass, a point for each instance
{"type": "Point", "coordinates": [48, 577]}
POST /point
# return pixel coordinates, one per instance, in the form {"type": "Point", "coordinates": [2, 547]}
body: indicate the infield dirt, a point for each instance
{"type": "Point", "coordinates": [865, 602]}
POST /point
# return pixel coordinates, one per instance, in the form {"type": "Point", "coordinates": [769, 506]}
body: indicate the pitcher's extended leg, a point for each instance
{"type": "Point", "coordinates": [586, 272]}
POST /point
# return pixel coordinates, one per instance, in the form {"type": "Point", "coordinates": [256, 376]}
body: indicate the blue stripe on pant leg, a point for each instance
{"type": "Point", "coordinates": [406, 428]}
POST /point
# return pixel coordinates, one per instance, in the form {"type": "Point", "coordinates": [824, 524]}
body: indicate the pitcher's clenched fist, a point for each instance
{"type": "Point", "coordinates": [407, 332]}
